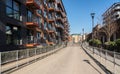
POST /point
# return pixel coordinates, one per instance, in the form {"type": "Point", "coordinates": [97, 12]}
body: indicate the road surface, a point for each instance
{"type": "Point", "coordinates": [70, 60]}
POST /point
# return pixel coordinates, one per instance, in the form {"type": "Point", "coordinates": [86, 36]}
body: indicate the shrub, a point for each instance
{"type": "Point", "coordinates": [110, 45]}
{"type": "Point", "coordinates": [95, 42]}
{"type": "Point", "coordinates": [117, 45]}
{"type": "Point", "coordinates": [118, 42]}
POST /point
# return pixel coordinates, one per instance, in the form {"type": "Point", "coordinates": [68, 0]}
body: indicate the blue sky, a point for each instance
{"type": "Point", "coordinates": [78, 13]}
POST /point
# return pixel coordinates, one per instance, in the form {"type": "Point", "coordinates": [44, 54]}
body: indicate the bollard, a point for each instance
{"type": "Point", "coordinates": [114, 63]}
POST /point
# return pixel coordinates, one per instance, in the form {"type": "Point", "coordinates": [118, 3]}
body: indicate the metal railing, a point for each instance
{"type": "Point", "coordinates": [12, 60]}
{"type": "Point", "coordinates": [110, 59]}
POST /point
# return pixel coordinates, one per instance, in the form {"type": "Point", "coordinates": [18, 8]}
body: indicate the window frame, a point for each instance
{"type": "Point", "coordinates": [13, 10]}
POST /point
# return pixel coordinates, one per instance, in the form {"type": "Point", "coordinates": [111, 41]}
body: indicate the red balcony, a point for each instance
{"type": "Point", "coordinates": [50, 31]}
{"type": "Point", "coordinates": [33, 4]}
{"type": "Point", "coordinates": [32, 24]}
{"type": "Point", "coordinates": [50, 19]}
{"type": "Point", "coordinates": [51, 7]}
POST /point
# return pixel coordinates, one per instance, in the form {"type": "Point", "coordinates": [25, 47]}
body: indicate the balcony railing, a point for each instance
{"type": "Point", "coordinates": [33, 4]}
{"type": "Point", "coordinates": [59, 18]}
{"type": "Point", "coordinates": [51, 19]}
{"type": "Point", "coordinates": [59, 26]}
{"type": "Point", "coordinates": [51, 6]}
{"type": "Point", "coordinates": [34, 21]}
{"type": "Point", "coordinates": [58, 1]}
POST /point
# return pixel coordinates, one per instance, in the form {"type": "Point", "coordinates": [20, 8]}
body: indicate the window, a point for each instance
{"type": "Point", "coordinates": [45, 25]}
{"type": "Point", "coordinates": [44, 2]}
{"type": "Point", "coordinates": [39, 12]}
{"type": "Point", "coordinates": [8, 35]}
{"type": "Point", "coordinates": [29, 16]}
{"type": "Point", "coordinates": [12, 35]}
{"type": "Point", "coordinates": [13, 9]}
{"type": "Point", "coordinates": [40, 22]}
{"type": "Point", "coordinates": [50, 26]}
{"type": "Point", "coordinates": [45, 14]}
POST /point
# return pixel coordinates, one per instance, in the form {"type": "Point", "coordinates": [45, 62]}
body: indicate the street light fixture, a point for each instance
{"type": "Point", "coordinates": [92, 15]}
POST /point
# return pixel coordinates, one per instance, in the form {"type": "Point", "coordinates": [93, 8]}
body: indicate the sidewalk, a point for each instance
{"type": "Point", "coordinates": [108, 65]}
{"type": "Point", "coordinates": [70, 60]}
{"type": "Point", "coordinates": [16, 65]}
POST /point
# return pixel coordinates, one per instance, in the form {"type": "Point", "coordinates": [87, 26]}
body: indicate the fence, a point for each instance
{"type": "Point", "coordinates": [12, 60]}
{"type": "Point", "coordinates": [110, 59]}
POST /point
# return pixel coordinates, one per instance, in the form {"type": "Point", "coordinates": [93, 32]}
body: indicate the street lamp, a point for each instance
{"type": "Point", "coordinates": [92, 15]}
{"type": "Point", "coordinates": [83, 35]}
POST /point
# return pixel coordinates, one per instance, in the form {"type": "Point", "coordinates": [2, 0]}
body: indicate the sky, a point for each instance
{"type": "Point", "coordinates": [78, 13]}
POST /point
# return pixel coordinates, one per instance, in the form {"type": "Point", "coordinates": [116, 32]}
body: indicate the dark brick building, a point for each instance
{"type": "Point", "coordinates": [28, 23]}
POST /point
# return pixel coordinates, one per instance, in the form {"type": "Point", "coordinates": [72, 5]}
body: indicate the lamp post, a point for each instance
{"type": "Point", "coordinates": [92, 15]}
{"type": "Point", "coordinates": [83, 35]}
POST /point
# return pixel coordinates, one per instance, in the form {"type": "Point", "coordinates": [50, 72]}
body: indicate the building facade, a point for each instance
{"type": "Point", "coordinates": [111, 25]}
{"type": "Point", "coordinates": [76, 38]}
{"type": "Point", "coordinates": [29, 23]}
{"type": "Point", "coordinates": [110, 29]}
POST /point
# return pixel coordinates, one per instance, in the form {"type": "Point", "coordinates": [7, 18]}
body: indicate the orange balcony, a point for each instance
{"type": "Point", "coordinates": [50, 43]}
{"type": "Point", "coordinates": [30, 45]}
{"type": "Point", "coordinates": [50, 31]}
{"type": "Point", "coordinates": [33, 4]}
{"type": "Point", "coordinates": [32, 24]}
{"type": "Point", "coordinates": [58, 10]}
{"type": "Point", "coordinates": [50, 8]}
{"type": "Point", "coordinates": [50, 19]}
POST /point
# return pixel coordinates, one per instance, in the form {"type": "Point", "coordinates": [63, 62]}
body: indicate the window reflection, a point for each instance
{"type": "Point", "coordinates": [29, 16]}
{"type": "Point", "coordinates": [12, 9]}
{"type": "Point", "coordinates": [12, 35]}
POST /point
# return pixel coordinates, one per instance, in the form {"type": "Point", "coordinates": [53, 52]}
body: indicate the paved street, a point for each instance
{"type": "Point", "coordinates": [70, 60]}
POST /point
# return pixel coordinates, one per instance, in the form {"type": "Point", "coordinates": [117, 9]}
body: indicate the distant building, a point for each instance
{"type": "Point", "coordinates": [76, 38]}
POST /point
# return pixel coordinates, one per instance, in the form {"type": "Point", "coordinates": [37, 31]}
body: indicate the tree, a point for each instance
{"type": "Point", "coordinates": [109, 29]}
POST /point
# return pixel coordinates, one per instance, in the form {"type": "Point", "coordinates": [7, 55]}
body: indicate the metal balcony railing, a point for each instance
{"type": "Point", "coordinates": [51, 5]}
{"type": "Point", "coordinates": [34, 20]}
{"type": "Point", "coordinates": [34, 4]}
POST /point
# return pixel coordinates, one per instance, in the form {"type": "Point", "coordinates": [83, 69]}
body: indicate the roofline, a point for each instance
{"type": "Point", "coordinates": [111, 7]}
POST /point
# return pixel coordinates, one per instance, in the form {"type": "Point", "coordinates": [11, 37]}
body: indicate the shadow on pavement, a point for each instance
{"type": "Point", "coordinates": [87, 61]}
{"type": "Point", "coordinates": [98, 63]}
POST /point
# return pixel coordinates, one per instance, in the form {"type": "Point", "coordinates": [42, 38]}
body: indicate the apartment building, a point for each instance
{"type": "Point", "coordinates": [111, 23]}
{"type": "Point", "coordinates": [30, 23]}
{"type": "Point", "coordinates": [110, 29]}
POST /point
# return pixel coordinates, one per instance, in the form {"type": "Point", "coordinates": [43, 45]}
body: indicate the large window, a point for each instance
{"type": "Point", "coordinates": [12, 35]}
{"type": "Point", "coordinates": [8, 35]}
{"type": "Point", "coordinates": [13, 9]}
{"type": "Point", "coordinates": [29, 16]}
{"type": "Point", "coordinates": [45, 25]}
{"type": "Point", "coordinates": [45, 13]}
